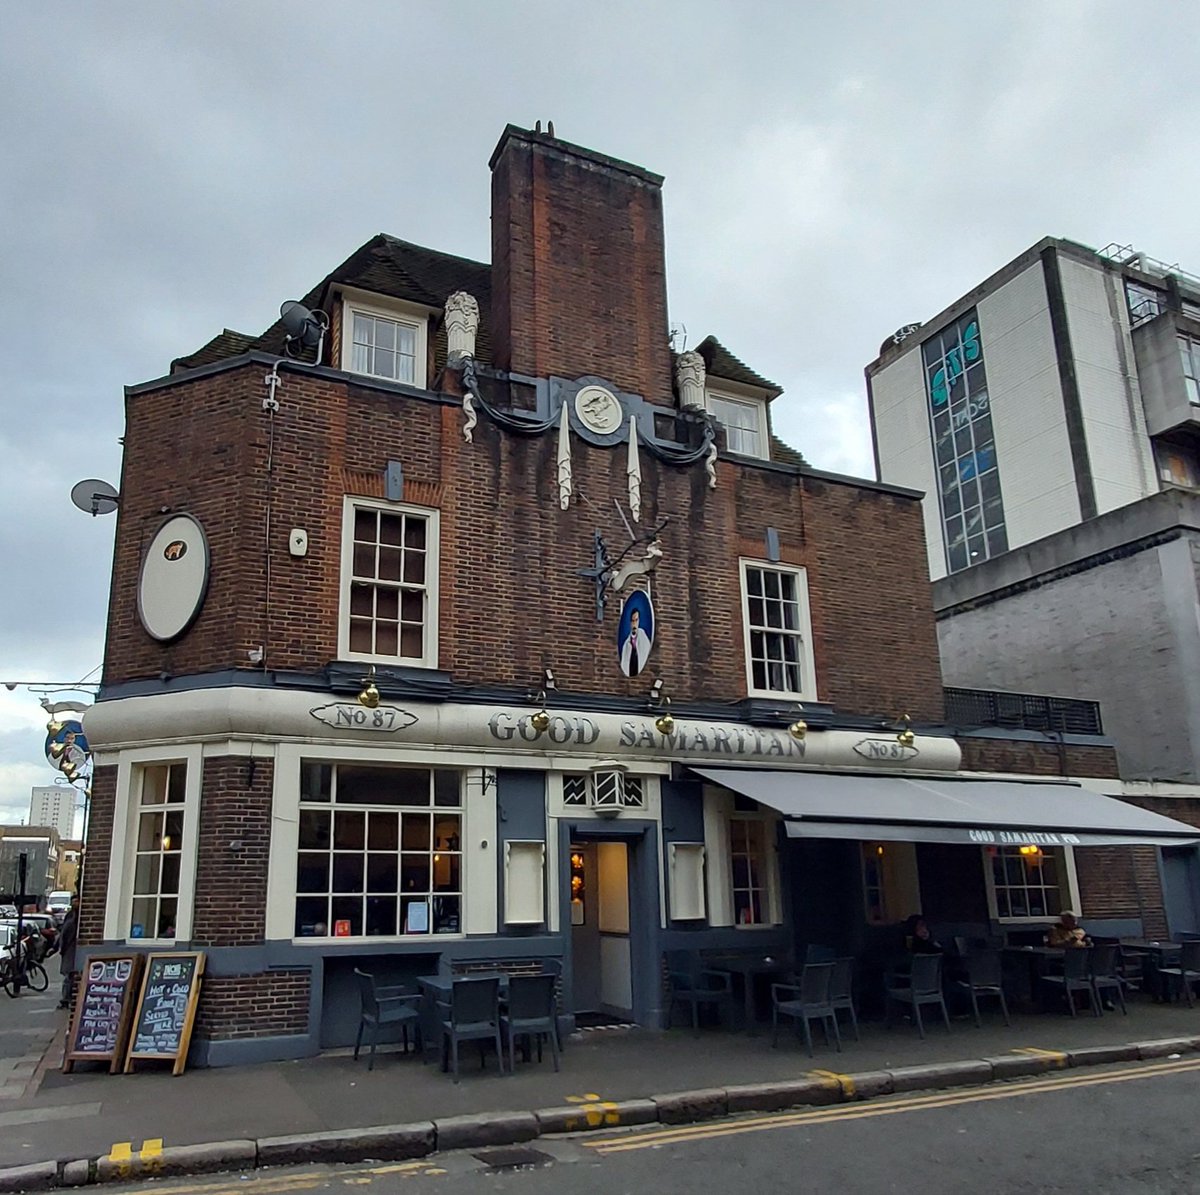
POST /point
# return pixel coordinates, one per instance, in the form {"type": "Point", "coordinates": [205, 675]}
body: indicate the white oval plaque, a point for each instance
{"type": "Point", "coordinates": [174, 578]}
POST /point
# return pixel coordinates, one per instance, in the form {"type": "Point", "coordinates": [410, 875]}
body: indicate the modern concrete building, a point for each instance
{"type": "Point", "coordinates": [54, 805]}
{"type": "Point", "coordinates": [1061, 388]}
{"type": "Point", "coordinates": [1051, 415]}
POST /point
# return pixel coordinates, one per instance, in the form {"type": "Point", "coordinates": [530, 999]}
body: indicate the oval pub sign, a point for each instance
{"type": "Point", "coordinates": [174, 578]}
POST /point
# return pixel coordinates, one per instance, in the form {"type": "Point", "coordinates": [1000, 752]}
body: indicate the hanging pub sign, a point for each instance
{"type": "Point", "coordinates": [635, 632]}
{"type": "Point", "coordinates": [67, 747]}
{"type": "Point", "coordinates": [166, 1011]}
{"type": "Point", "coordinates": [104, 1006]}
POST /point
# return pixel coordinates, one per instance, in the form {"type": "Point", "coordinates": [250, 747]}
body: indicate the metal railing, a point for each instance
{"type": "Point", "coordinates": [1022, 711]}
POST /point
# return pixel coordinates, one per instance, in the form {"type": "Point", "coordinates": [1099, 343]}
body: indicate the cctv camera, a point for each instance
{"type": "Point", "coordinates": [10, 685]}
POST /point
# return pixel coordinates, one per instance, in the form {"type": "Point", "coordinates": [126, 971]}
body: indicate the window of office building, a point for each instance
{"type": "Point", "coordinates": [380, 852]}
{"type": "Point", "coordinates": [964, 445]}
{"type": "Point", "coordinates": [1144, 302]}
{"type": "Point", "coordinates": [1189, 356]}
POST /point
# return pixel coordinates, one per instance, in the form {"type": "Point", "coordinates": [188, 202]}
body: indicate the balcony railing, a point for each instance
{"type": "Point", "coordinates": [1022, 711]}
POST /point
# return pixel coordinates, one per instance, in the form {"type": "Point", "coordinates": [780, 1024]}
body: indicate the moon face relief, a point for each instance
{"type": "Point", "coordinates": [598, 409]}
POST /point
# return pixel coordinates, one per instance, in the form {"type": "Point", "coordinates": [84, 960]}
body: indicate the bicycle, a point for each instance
{"type": "Point", "coordinates": [19, 969]}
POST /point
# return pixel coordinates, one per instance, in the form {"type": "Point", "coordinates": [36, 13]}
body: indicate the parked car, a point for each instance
{"type": "Point", "coordinates": [8, 910]}
{"type": "Point", "coordinates": [58, 903]}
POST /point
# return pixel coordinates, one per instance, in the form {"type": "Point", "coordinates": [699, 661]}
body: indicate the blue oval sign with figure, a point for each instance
{"type": "Point", "coordinates": [635, 632]}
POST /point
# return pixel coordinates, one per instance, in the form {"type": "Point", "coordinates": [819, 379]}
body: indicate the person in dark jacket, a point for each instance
{"type": "Point", "coordinates": [67, 938]}
{"type": "Point", "coordinates": [918, 939]}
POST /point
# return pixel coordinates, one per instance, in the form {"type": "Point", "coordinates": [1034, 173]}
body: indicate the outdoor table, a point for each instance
{"type": "Point", "coordinates": [750, 968]}
{"type": "Point", "coordinates": [1155, 955]}
{"type": "Point", "coordinates": [436, 991]}
{"type": "Point", "coordinates": [1036, 961]}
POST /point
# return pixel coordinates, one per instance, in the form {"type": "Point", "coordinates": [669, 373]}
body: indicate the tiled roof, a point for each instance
{"type": "Point", "coordinates": [227, 344]}
{"type": "Point", "coordinates": [785, 452]}
{"type": "Point", "coordinates": [384, 266]}
{"type": "Point", "coordinates": [719, 362]}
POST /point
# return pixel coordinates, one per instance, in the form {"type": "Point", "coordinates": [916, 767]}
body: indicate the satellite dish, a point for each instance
{"type": "Point", "coordinates": [304, 327]}
{"type": "Point", "coordinates": [95, 497]}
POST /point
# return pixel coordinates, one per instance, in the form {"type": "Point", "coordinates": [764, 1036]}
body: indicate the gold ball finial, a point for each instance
{"type": "Point", "coordinates": [369, 696]}
{"type": "Point", "coordinates": [664, 723]}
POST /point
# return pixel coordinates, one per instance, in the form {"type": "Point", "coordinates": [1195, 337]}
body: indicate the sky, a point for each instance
{"type": "Point", "coordinates": [833, 171]}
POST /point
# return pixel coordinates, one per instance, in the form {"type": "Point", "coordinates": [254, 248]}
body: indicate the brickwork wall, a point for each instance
{"type": "Point", "coordinates": [1182, 809]}
{"type": "Point", "coordinates": [97, 856]}
{"type": "Point", "coordinates": [1037, 759]}
{"type": "Point", "coordinates": [1121, 881]}
{"type": "Point", "coordinates": [579, 269]}
{"type": "Point", "coordinates": [511, 601]}
{"type": "Point", "coordinates": [233, 851]}
{"type": "Point", "coordinates": [267, 1005]}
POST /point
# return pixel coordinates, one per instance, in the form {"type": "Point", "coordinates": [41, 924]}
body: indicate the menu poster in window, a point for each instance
{"type": "Point", "coordinates": [104, 1003]}
{"type": "Point", "coordinates": [162, 1025]}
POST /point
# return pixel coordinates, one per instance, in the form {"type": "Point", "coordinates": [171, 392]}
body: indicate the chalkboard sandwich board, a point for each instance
{"type": "Point", "coordinates": [104, 1003]}
{"type": "Point", "coordinates": [162, 1025]}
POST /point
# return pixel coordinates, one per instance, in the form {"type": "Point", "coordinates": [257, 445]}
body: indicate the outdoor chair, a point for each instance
{"type": "Point", "coordinates": [474, 1015]}
{"type": "Point", "coordinates": [1076, 977]}
{"type": "Point", "coordinates": [983, 977]}
{"type": "Point", "coordinates": [532, 1013]}
{"type": "Point", "coordinates": [841, 991]}
{"type": "Point", "coordinates": [1106, 974]}
{"type": "Point", "coordinates": [385, 1006]}
{"type": "Point", "coordinates": [688, 982]}
{"type": "Point", "coordinates": [806, 1001]}
{"type": "Point", "coordinates": [922, 985]}
{"type": "Point", "coordinates": [1188, 971]}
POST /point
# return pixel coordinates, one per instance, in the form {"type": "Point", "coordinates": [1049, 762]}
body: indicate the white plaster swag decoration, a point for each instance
{"type": "Point", "coordinates": [472, 418]}
{"type": "Point", "coordinates": [462, 322]}
{"type": "Point", "coordinates": [564, 460]}
{"type": "Point", "coordinates": [689, 377]}
{"type": "Point", "coordinates": [634, 471]}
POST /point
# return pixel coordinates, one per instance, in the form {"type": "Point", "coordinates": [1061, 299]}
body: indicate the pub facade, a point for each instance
{"type": "Point", "coordinates": [460, 620]}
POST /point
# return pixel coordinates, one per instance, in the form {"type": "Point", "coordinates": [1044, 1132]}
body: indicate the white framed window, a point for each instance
{"type": "Point", "coordinates": [152, 867]}
{"type": "Point", "coordinates": [389, 606]}
{"type": "Point", "coordinates": [385, 340]}
{"type": "Point", "coordinates": [1030, 883]}
{"type": "Point", "coordinates": [750, 871]}
{"type": "Point", "coordinates": [158, 851]}
{"type": "Point", "coordinates": [778, 632]}
{"type": "Point", "coordinates": [744, 421]}
{"type": "Point", "coordinates": [379, 851]}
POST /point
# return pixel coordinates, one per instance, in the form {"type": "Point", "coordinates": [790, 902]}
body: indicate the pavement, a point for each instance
{"type": "Point", "coordinates": [90, 1125]}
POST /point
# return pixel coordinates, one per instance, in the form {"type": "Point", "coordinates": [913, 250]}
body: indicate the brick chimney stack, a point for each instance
{"type": "Point", "coordinates": [578, 267]}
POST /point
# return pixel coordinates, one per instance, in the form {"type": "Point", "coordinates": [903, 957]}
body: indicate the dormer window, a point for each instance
{"type": "Point", "coordinates": [744, 421]}
{"type": "Point", "coordinates": [384, 340]}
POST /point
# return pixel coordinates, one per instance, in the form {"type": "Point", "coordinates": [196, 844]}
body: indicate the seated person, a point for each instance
{"type": "Point", "coordinates": [918, 939]}
{"type": "Point", "coordinates": [1067, 932]}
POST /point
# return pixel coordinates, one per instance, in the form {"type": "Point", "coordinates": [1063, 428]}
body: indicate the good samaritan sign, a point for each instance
{"type": "Point", "coordinates": [611, 735]}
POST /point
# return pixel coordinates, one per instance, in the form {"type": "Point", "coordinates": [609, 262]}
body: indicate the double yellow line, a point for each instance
{"type": "Point", "coordinates": [885, 1107]}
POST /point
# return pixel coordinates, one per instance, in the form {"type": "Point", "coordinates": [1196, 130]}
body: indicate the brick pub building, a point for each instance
{"type": "Point", "coordinates": [374, 695]}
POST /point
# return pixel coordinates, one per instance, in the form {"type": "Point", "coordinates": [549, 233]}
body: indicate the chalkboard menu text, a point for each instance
{"type": "Point", "coordinates": [103, 1004]}
{"type": "Point", "coordinates": [162, 1026]}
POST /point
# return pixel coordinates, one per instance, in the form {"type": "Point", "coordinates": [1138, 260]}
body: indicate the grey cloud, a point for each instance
{"type": "Point", "coordinates": [831, 173]}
